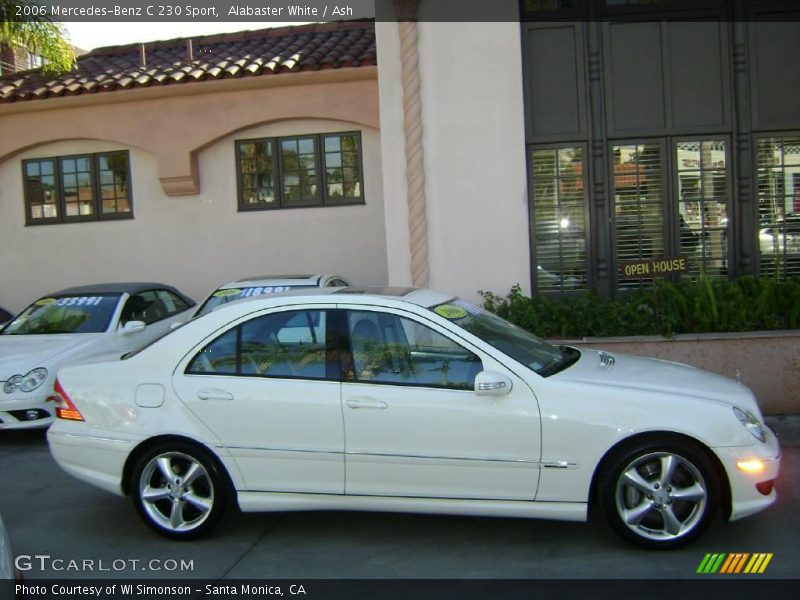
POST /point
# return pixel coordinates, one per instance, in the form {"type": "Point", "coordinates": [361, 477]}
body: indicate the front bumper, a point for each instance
{"type": "Point", "coordinates": [26, 411]}
{"type": "Point", "coordinates": [746, 497]}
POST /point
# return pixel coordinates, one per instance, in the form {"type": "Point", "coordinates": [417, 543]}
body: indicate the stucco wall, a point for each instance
{"type": "Point", "coordinates": [194, 242]}
{"type": "Point", "coordinates": [474, 140]}
{"type": "Point", "coordinates": [768, 362]}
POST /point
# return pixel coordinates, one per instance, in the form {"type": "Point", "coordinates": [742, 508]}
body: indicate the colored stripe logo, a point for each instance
{"type": "Point", "coordinates": [735, 563]}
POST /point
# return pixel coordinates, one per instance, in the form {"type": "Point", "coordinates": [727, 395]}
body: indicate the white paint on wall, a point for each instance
{"type": "Point", "coordinates": [474, 140]}
{"type": "Point", "coordinates": [192, 242]}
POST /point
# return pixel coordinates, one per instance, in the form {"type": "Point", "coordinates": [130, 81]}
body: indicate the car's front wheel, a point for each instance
{"type": "Point", "coordinates": [179, 491]}
{"type": "Point", "coordinates": [660, 493]}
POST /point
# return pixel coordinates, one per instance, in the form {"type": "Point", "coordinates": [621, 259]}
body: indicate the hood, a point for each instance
{"type": "Point", "coordinates": [610, 370]}
{"type": "Point", "coordinates": [21, 353]}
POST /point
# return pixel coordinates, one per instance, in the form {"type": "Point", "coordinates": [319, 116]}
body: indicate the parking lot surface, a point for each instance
{"type": "Point", "coordinates": [63, 528]}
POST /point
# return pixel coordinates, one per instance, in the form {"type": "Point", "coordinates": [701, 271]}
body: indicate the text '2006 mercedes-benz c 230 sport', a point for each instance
{"type": "Point", "coordinates": [408, 400]}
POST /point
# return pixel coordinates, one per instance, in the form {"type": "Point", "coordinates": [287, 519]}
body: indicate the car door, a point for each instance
{"type": "Point", "coordinates": [414, 425]}
{"type": "Point", "coordinates": [270, 392]}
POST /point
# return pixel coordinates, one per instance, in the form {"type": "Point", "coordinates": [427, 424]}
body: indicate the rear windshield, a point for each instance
{"type": "Point", "coordinates": [65, 314]}
{"type": "Point", "coordinates": [223, 296]}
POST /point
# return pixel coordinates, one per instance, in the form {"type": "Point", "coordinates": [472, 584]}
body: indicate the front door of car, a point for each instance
{"type": "Point", "coordinates": [157, 309]}
{"type": "Point", "coordinates": [414, 426]}
{"type": "Point", "coordinates": [269, 391]}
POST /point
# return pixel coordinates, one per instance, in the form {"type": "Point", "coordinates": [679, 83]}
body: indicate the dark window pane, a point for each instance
{"type": "Point", "coordinates": [286, 344]}
{"type": "Point", "coordinates": [559, 219]}
{"type": "Point", "coordinates": [219, 357]}
{"type": "Point", "coordinates": [394, 350]}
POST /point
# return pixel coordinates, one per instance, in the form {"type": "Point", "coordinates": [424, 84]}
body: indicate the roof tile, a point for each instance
{"type": "Point", "coordinates": [245, 53]}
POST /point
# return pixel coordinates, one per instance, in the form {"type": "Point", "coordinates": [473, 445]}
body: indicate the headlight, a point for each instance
{"type": "Point", "coordinates": [26, 383]}
{"type": "Point", "coordinates": [12, 384]}
{"type": "Point", "coordinates": [751, 424]}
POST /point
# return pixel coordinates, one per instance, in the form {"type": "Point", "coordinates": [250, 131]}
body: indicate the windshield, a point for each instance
{"type": "Point", "coordinates": [65, 314]}
{"type": "Point", "coordinates": [225, 295]}
{"type": "Point", "coordinates": [524, 347]}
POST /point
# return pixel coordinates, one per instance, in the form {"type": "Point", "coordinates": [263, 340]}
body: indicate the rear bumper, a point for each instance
{"type": "Point", "coordinates": [95, 460]}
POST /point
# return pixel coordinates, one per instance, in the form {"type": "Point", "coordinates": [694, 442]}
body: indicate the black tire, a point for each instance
{"type": "Point", "coordinates": [179, 507]}
{"type": "Point", "coordinates": [659, 493]}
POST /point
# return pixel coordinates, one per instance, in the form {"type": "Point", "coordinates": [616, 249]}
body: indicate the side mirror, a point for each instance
{"type": "Point", "coordinates": [132, 327]}
{"type": "Point", "coordinates": [492, 383]}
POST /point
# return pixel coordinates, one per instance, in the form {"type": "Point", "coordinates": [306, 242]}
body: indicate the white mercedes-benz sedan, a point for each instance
{"type": "Point", "coordinates": [408, 400]}
{"type": "Point", "coordinates": [71, 325]}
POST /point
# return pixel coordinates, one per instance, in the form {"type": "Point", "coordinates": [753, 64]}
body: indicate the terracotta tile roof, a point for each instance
{"type": "Point", "coordinates": [186, 60]}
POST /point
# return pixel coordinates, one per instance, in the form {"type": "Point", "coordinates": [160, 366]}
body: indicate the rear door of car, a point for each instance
{"type": "Point", "coordinates": [269, 389]}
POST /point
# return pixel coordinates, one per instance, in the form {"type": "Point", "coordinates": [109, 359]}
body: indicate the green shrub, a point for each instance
{"type": "Point", "coordinates": [665, 308]}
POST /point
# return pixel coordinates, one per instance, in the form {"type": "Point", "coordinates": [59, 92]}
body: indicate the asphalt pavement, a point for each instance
{"type": "Point", "coordinates": [63, 528]}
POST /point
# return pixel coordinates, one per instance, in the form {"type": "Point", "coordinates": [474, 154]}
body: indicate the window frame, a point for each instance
{"type": "Point", "coordinates": [588, 232]}
{"type": "Point", "coordinates": [321, 176]}
{"type": "Point", "coordinates": [347, 359]}
{"type": "Point", "coordinates": [331, 333]}
{"type": "Point", "coordinates": [779, 274]}
{"type": "Point", "coordinates": [61, 204]}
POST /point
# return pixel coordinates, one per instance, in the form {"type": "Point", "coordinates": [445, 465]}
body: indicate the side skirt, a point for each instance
{"type": "Point", "coordinates": [275, 501]}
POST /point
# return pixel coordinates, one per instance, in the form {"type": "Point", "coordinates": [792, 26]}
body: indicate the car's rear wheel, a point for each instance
{"type": "Point", "coordinates": [179, 491]}
{"type": "Point", "coordinates": [659, 494]}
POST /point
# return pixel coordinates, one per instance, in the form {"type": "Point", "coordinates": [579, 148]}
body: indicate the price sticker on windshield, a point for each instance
{"type": "Point", "coordinates": [450, 311]}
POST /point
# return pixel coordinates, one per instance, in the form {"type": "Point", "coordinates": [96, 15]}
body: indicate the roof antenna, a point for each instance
{"type": "Point", "coordinates": [190, 50]}
{"type": "Point", "coordinates": [142, 55]}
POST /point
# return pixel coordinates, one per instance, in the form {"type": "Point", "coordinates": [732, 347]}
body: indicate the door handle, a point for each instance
{"type": "Point", "coordinates": [366, 403]}
{"type": "Point", "coordinates": [214, 394]}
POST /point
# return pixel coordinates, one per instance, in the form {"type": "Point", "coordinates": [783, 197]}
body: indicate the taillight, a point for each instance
{"type": "Point", "coordinates": [65, 408]}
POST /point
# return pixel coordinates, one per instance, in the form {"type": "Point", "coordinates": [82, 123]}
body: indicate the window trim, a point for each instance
{"type": "Point", "coordinates": [236, 326]}
{"type": "Point", "coordinates": [588, 257]}
{"type": "Point", "coordinates": [97, 202]}
{"type": "Point", "coordinates": [349, 376]}
{"type": "Point", "coordinates": [759, 261]}
{"type": "Point", "coordinates": [321, 177]}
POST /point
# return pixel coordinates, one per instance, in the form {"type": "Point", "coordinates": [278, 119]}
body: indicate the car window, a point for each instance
{"type": "Point", "coordinates": [337, 283]}
{"type": "Point", "coordinates": [173, 303]}
{"type": "Point", "coordinates": [65, 314]}
{"type": "Point", "coordinates": [289, 344]}
{"type": "Point", "coordinates": [144, 306]}
{"type": "Point", "coordinates": [391, 349]}
{"type": "Point", "coordinates": [224, 295]}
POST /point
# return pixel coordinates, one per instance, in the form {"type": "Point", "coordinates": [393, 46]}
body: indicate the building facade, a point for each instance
{"type": "Point", "coordinates": [258, 155]}
{"type": "Point", "coordinates": [548, 149]}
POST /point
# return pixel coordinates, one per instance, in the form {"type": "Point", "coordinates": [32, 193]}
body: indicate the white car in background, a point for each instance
{"type": "Point", "coordinates": [70, 325]}
{"type": "Point", "coordinates": [254, 287]}
{"type": "Point", "coordinates": [427, 404]}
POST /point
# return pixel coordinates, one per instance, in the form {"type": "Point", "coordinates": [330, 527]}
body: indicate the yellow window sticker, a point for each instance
{"type": "Point", "coordinates": [450, 311]}
{"type": "Point", "coordinates": [228, 292]}
{"type": "Point", "coordinates": [45, 301]}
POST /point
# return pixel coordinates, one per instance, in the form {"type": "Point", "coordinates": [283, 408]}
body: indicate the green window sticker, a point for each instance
{"type": "Point", "coordinates": [450, 311]}
{"type": "Point", "coordinates": [45, 301]}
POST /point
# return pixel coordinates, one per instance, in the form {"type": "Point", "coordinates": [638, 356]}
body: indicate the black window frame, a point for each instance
{"type": "Point", "coordinates": [347, 357]}
{"type": "Point", "coordinates": [332, 343]}
{"type": "Point", "coordinates": [61, 204]}
{"type": "Point", "coordinates": [321, 177]}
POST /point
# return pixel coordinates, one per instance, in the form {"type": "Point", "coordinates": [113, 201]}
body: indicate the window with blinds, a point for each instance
{"type": "Point", "coordinates": [702, 197]}
{"type": "Point", "coordinates": [778, 164]}
{"type": "Point", "coordinates": [559, 216]}
{"type": "Point", "coordinates": [638, 206]}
